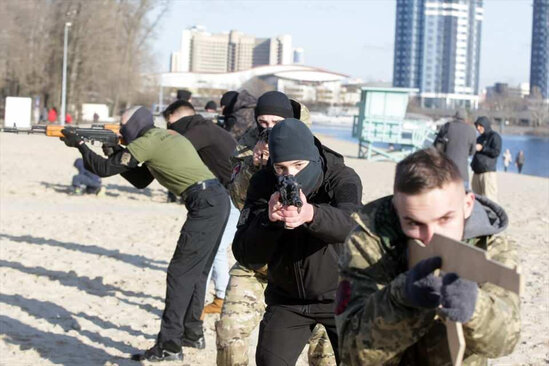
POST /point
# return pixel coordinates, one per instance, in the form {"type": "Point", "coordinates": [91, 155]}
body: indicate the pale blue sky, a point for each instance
{"type": "Point", "coordinates": [351, 37]}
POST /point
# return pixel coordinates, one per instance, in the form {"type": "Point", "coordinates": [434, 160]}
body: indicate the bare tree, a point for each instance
{"type": "Point", "coordinates": [108, 50]}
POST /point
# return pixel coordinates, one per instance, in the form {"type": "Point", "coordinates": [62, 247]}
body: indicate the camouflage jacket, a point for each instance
{"type": "Point", "coordinates": [243, 167]}
{"type": "Point", "coordinates": [375, 324]}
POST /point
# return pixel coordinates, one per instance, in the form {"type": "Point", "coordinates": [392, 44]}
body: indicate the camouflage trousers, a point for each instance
{"type": "Point", "coordinates": [242, 311]}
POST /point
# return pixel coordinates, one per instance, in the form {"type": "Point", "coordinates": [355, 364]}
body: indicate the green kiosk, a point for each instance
{"type": "Point", "coordinates": [382, 130]}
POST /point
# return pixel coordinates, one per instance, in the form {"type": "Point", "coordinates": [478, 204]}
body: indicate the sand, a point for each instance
{"type": "Point", "coordinates": [83, 277]}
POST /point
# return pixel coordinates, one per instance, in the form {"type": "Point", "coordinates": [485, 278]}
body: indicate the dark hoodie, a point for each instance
{"type": "Point", "coordinates": [486, 160]}
{"type": "Point", "coordinates": [303, 261]}
{"type": "Point", "coordinates": [213, 144]}
{"type": "Point", "coordinates": [239, 116]}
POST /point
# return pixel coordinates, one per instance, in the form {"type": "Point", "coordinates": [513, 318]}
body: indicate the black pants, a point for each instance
{"type": "Point", "coordinates": [207, 215]}
{"type": "Point", "coordinates": [286, 329]}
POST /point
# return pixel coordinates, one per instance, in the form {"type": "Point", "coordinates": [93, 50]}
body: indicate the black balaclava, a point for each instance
{"type": "Point", "coordinates": [228, 101]}
{"type": "Point", "coordinates": [140, 122]}
{"type": "Point", "coordinates": [291, 139]}
{"type": "Point", "coordinates": [274, 103]}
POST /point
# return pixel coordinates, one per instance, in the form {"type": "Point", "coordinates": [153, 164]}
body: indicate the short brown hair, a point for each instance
{"type": "Point", "coordinates": [425, 170]}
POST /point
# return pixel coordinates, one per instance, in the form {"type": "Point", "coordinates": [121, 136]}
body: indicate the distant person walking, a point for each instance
{"type": "Point", "coordinates": [519, 160]}
{"type": "Point", "coordinates": [484, 162]}
{"type": "Point", "coordinates": [507, 157]}
{"type": "Point", "coordinates": [456, 139]}
{"type": "Point", "coordinates": [52, 115]}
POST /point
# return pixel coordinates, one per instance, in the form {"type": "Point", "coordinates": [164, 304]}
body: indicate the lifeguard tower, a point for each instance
{"type": "Point", "coordinates": [382, 131]}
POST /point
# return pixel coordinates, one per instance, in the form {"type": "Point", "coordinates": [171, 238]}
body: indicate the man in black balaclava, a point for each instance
{"type": "Point", "coordinates": [300, 245]}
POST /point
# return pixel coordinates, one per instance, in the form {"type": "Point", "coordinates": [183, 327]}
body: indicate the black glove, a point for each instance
{"type": "Point", "coordinates": [109, 150]}
{"type": "Point", "coordinates": [422, 286]}
{"type": "Point", "coordinates": [458, 298]}
{"type": "Point", "coordinates": [71, 139]}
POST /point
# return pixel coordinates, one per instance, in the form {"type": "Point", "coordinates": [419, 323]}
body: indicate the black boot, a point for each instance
{"type": "Point", "coordinates": [157, 353]}
{"type": "Point", "coordinates": [199, 343]}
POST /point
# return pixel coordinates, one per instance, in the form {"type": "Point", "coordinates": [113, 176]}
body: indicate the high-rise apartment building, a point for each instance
{"type": "Point", "coordinates": [539, 61]}
{"type": "Point", "coordinates": [437, 50]}
{"type": "Point", "coordinates": [227, 52]}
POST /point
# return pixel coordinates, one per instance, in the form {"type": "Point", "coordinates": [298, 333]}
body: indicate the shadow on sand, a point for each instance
{"type": "Point", "coordinates": [91, 286]}
{"type": "Point", "coordinates": [138, 261]}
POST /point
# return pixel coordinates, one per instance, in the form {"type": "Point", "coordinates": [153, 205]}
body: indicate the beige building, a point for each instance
{"type": "Point", "coordinates": [205, 52]}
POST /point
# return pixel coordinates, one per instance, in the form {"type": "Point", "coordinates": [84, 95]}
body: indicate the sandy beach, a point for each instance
{"type": "Point", "coordinates": [83, 277]}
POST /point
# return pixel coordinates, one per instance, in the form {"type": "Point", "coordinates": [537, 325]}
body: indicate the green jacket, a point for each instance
{"type": "Point", "coordinates": [375, 325]}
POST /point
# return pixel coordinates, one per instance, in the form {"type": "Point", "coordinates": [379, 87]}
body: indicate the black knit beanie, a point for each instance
{"type": "Point", "coordinates": [274, 103]}
{"type": "Point", "coordinates": [291, 139]}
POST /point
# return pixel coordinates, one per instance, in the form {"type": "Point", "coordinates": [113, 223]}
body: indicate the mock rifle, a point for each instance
{"type": "Point", "coordinates": [288, 187]}
{"type": "Point", "coordinates": [468, 262]}
{"type": "Point", "coordinates": [105, 134]}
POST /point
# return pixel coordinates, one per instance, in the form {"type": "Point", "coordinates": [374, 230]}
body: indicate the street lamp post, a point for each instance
{"type": "Point", "coordinates": [64, 86]}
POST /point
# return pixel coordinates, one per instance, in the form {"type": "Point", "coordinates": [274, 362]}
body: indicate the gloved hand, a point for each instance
{"type": "Point", "coordinates": [71, 139]}
{"type": "Point", "coordinates": [109, 150]}
{"type": "Point", "coordinates": [422, 287]}
{"type": "Point", "coordinates": [458, 298]}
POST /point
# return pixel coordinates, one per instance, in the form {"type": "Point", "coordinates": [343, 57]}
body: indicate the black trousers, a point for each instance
{"type": "Point", "coordinates": [286, 329]}
{"type": "Point", "coordinates": [207, 214]}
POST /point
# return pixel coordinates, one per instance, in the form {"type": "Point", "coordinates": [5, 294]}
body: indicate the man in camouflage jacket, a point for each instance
{"type": "Point", "coordinates": [388, 314]}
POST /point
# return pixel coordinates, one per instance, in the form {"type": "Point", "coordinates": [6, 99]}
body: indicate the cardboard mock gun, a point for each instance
{"type": "Point", "coordinates": [470, 263]}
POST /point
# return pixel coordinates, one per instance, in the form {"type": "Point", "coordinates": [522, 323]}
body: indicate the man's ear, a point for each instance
{"type": "Point", "coordinates": [468, 203]}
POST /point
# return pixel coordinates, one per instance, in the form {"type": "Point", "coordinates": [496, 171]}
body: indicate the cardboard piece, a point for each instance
{"type": "Point", "coordinates": [470, 263]}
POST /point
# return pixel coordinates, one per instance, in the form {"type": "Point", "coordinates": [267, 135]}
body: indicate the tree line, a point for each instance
{"type": "Point", "coordinates": [109, 48]}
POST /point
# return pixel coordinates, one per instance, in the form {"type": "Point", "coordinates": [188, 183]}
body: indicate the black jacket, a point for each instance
{"type": "Point", "coordinates": [303, 262]}
{"type": "Point", "coordinates": [486, 159]}
{"type": "Point", "coordinates": [213, 144]}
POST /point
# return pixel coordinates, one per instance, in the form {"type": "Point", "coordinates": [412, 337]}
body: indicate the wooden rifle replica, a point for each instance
{"type": "Point", "coordinates": [470, 263]}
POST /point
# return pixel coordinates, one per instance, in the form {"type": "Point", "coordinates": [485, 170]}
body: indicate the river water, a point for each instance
{"type": "Point", "coordinates": [536, 149]}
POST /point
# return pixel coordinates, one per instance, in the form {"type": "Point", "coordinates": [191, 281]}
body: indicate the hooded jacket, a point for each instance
{"type": "Point", "coordinates": [241, 116]}
{"type": "Point", "coordinates": [303, 261]}
{"type": "Point", "coordinates": [213, 144]}
{"type": "Point", "coordinates": [486, 159]}
{"type": "Point", "coordinates": [377, 326]}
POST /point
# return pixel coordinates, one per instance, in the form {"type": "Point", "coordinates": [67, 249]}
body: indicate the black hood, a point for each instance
{"type": "Point", "coordinates": [182, 125]}
{"type": "Point", "coordinates": [484, 122]}
{"type": "Point", "coordinates": [243, 100]}
{"type": "Point", "coordinates": [487, 218]}
{"type": "Point", "coordinates": [140, 122]}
